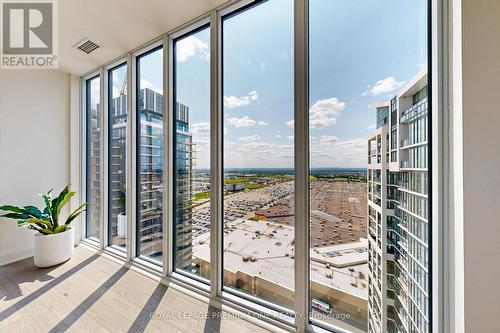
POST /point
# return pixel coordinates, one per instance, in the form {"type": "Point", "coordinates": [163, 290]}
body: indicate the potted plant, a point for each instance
{"type": "Point", "coordinates": [54, 242]}
{"type": "Point", "coordinates": [122, 217]}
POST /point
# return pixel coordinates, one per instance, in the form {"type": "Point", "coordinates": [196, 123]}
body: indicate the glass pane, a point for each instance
{"type": "Point", "coordinates": [117, 231]}
{"type": "Point", "coordinates": [192, 154]}
{"type": "Point", "coordinates": [258, 152]}
{"type": "Point", "coordinates": [94, 146]}
{"type": "Point", "coordinates": [150, 156]}
{"type": "Point", "coordinates": [368, 144]}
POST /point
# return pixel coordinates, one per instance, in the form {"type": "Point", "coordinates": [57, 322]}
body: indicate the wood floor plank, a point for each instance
{"type": "Point", "coordinates": [91, 293]}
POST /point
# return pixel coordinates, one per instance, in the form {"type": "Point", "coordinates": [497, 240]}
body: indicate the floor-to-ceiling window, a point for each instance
{"type": "Point", "coordinates": [192, 152]}
{"type": "Point", "coordinates": [368, 79]}
{"type": "Point", "coordinates": [369, 217]}
{"type": "Point", "coordinates": [117, 158]}
{"type": "Point", "coordinates": [94, 148]}
{"type": "Point", "coordinates": [258, 235]}
{"type": "Point", "coordinates": [149, 140]}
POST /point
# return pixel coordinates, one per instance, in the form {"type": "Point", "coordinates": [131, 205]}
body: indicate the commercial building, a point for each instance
{"type": "Point", "coordinates": [259, 260]}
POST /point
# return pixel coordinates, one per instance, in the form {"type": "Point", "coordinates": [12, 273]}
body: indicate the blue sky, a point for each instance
{"type": "Point", "coordinates": [361, 51]}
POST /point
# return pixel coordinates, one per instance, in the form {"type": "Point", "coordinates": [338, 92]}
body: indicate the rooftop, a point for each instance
{"type": "Point", "coordinates": [267, 249]}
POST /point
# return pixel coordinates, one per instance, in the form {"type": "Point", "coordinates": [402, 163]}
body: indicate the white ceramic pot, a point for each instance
{"type": "Point", "coordinates": [53, 249]}
{"type": "Point", "coordinates": [122, 226]}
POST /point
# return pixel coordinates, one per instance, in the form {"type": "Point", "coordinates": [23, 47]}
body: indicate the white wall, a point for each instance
{"type": "Point", "coordinates": [481, 164]}
{"type": "Point", "coordinates": [34, 147]}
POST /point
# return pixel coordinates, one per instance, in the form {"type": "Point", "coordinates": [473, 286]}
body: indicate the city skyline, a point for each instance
{"type": "Point", "coordinates": [258, 143]}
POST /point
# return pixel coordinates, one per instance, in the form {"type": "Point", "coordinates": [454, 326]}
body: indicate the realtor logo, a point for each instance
{"type": "Point", "coordinates": [28, 35]}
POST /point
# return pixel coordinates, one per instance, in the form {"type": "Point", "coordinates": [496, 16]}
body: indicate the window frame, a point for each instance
{"type": "Point", "coordinates": [84, 141]}
{"type": "Point", "coordinates": [440, 182]}
{"type": "Point", "coordinates": [227, 291]}
{"type": "Point", "coordinates": [135, 158]}
{"type": "Point", "coordinates": [108, 90]}
{"type": "Point", "coordinates": [199, 25]}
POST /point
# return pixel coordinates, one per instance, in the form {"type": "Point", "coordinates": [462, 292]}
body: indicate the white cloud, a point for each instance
{"type": "Point", "coordinates": [232, 102]}
{"type": "Point", "coordinates": [384, 86]}
{"type": "Point", "coordinates": [333, 152]}
{"type": "Point", "coordinates": [327, 151]}
{"type": "Point", "coordinates": [290, 137]}
{"type": "Point", "coordinates": [284, 147]}
{"type": "Point", "coordinates": [117, 84]}
{"type": "Point", "coordinates": [277, 136]}
{"type": "Point", "coordinates": [201, 127]}
{"type": "Point", "coordinates": [241, 122]}
{"type": "Point", "coordinates": [354, 143]}
{"type": "Point", "coordinates": [256, 145]}
{"type": "Point", "coordinates": [116, 92]}
{"type": "Point", "coordinates": [95, 90]}
{"type": "Point", "coordinates": [371, 126]}
{"type": "Point", "coordinates": [323, 113]}
{"type": "Point", "coordinates": [263, 123]}
{"type": "Point", "coordinates": [251, 138]}
{"type": "Point", "coordinates": [327, 139]}
{"type": "Point", "coordinates": [189, 47]}
{"type": "Point", "coordinates": [148, 85]}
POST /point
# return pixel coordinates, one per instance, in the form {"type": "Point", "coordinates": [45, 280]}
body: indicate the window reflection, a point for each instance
{"type": "Point", "coordinates": [94, 147]}
{"type": "Point", "coordinates": [192, 154]}
{"type": "Point", "coordinates": [150, 156]}
{"type": "Point", "coordinates": [117, 232]}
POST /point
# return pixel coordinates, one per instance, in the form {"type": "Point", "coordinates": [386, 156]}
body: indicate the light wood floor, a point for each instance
{"type": "Point", "coordinates": [91, 293]}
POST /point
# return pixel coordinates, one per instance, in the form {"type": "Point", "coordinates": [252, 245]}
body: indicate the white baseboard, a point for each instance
{"type": "Point", "coordinates": [13, 255]}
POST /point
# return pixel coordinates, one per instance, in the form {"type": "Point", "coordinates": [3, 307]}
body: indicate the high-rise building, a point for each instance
{"type": "Point", "coordinates": [151, 169]}
{"type": "Point", "coordinates": [117, 165]}
{"type": "Point", "coordinates": [398, 216]}
{"type": "Point", "coordinates": [94, 127]}
{"type": "Point", "coordinates": [150, 232]}
{"type": "Point", "coordinates": [184, 188]}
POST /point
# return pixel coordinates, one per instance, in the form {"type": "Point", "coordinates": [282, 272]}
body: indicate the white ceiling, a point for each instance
{"type": "Point", "coordinates": [118, 26]}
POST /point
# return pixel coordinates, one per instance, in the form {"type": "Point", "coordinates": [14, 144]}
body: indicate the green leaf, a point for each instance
{"type": "Point", "coordinates": [16, 216]}
{"type": "Point", "coordinates": [45, 222]}
{"type": "Point", "coordinates": [57, 202]}
{"type": "Point", "coordinates": [64, 201]}
{"type": "Point", "coordinates": [45, 231]}
{"type": "Point", "coordinates": [33, 211]}
{"type": "Point", "coordinates": [42, 224]}
{"type": "Point", "coordinates": [36, 226]}
{"type": "Point", "coordinates": [23, 213]}
{"type": "Point", "coordinates": [40, 221]}
{"type": "Point", "coordinates": [48, 202]}
{"type": "Point", "coordinates": [33, 227]}
{"type": "Point", "coordinates": [60, 228]}
{"type": "Point", "coordinates": [75, 213]}
{"type": "Point", "coordinates": [23, 223]}
{"type": "Point", "coordinates": [10, 208]}
{"type": "Point", "coordinates": [48, 205]}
